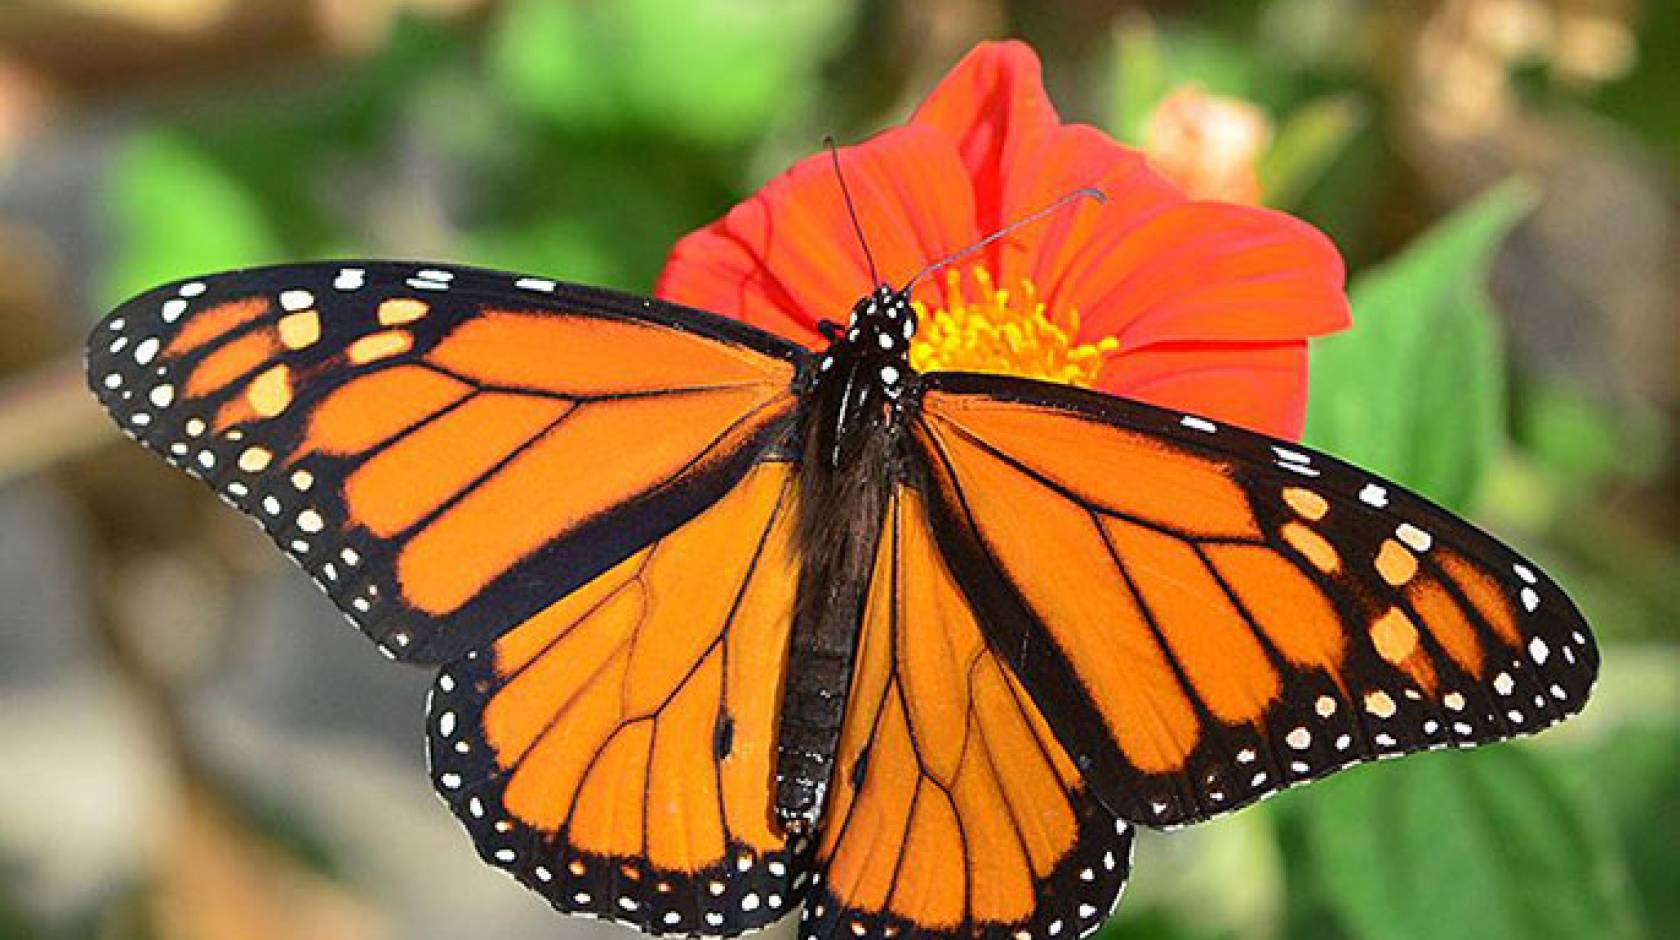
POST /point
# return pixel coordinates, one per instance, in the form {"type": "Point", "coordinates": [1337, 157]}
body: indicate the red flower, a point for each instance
{"type": "Point", "coordinates": [1198, 306]}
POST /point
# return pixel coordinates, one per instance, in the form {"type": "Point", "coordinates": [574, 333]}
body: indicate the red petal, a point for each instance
{"type": "Point", "coordinates": [1055, 164]}
{"type": "Point", "coordinates": [1207, 272]}
{"type": "Point", "coordinates": [788, 257]}
{"type": "Point", "coordinates": [990, 105]}
{"type": "Point", "coordinates": [1259, 387]}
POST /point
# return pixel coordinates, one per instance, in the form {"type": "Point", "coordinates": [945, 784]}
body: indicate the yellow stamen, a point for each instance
{"type": "Point", "coordinates": [1005, 332]}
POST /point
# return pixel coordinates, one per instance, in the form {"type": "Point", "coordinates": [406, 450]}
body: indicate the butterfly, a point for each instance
{"type": "Point", "coordinates": [724, 625]}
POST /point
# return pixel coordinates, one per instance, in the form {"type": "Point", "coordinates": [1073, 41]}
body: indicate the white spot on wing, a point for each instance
{"type": "Point", "coordinates": [1413, 536]}
{"type": "Point", "coordinates": [146, 350]}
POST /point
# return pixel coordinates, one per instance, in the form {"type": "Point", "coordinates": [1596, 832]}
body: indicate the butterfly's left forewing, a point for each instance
{"type": "Point", "coordinates": [446, 451]}
{"type": "Point", "coordinates": [1206, 615]}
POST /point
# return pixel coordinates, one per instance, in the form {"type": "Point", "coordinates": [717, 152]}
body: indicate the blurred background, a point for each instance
{"type": "Point", "coordinates": [193, 746]}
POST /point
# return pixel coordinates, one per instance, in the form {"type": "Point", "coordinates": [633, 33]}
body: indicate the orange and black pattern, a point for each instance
{"type": "Point", "coordinates": [954, 811]}
{"type": "Point", "coordinates": [614, 752]}
{"type": "Point", "coordinates": [446, 452]}
{"type": "Point", "coordinates": [1208, 616]}
{"type": "Point", "coordinates": [1079, 613]}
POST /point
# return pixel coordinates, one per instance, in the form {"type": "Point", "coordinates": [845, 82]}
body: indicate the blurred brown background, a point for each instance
{"type": "Point", "coordinates": [193, 747]}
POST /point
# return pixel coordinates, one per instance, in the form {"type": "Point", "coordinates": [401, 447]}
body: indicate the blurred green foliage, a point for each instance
{"type": "Point", "coordinates": [581, 140]}
{"type": "Point", "coordinates": [1416, 392]}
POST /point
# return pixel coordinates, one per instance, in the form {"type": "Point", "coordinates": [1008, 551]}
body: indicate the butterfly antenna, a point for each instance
{"type": "Point", "coordinates": [851, 209]}
{"type": "Point", "coordinates": [1081, 193]}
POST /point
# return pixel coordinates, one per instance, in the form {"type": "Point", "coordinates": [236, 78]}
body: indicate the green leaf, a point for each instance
{"type": "Point", "coordinates": [174, 212]}
{"type": "Point", "coordinates": [1140, 76]}
{"type": "Point", "coordinates": [717, 71]}
{"type": "Point", "coordinates": [1415, 391]}
{"type": "Point", "coordinates": [1486, 845]}
{"type": "Point", "coordinates": [1306, 145]}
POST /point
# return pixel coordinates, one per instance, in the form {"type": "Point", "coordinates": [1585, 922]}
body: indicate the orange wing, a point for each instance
{"type": "Point", "coordinates": [614, 752]}
{"type": "Point", "coordinates": [953, 810]}
{"type": "Point", "coordinates": [1207, 616]}
{"type": "Point", "coordinates": [433, 445]}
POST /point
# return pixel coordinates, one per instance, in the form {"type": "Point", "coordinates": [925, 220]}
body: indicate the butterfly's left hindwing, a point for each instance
{"type": "Point", "coordinates": [1207, 616]}
{"type": "Point", "coordinates": [954, 811]}
{"type": "Point", "coordinates": [446, 451]}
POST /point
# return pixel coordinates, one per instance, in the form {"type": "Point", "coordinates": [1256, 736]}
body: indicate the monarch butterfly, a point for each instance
{"type": "Point", "coordinates": [725, 625]}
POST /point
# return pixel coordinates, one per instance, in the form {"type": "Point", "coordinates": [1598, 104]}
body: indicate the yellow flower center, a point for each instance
{"type": "Point", "coordinates": [1007, 332]}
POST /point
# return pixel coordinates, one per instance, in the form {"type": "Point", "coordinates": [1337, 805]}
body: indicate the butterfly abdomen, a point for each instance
{"type": "Point", "coordinates": [850, 460]}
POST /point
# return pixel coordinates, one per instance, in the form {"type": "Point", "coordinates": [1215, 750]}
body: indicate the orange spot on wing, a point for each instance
{"type": "Point", "coordinates": [694, 601]}
{"type": "Point", "coordinates": [228, 363]}
{"type": "Point", "coordinates": [381, 345]}
{"type": "Point", "coordinates": [1310, 505]}
{"type": "Point", "coordinates": [300, 330]}
{"type": "Point", "coordinates": [270, 392]}
{"type": "Point", "coordinates": [1000, 877]}
{"type": "Point", "coordinates": [1310, 544]}
{"type": "Point", "coordinates": [1395, 563]}
{"type": "Point", "coordinates": [555, 485]}
{"type": "Point", "coordinates": [1395, 637]}
{"type": "Point", "coordinates": [372, 409]}
{"type": "Point", "coordinates": [400, 310]}
{"type": "Point", "coordinates": [235, 411]}
{"type": "Point", "coordinates": [213, 323]}
{"type": "Point", "coordinates": [1107, 467]}
{"type": "Point", "coordinates": [588, 356]}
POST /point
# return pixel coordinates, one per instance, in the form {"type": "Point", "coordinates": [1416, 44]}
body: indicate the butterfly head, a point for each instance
{"type": "Point", "coordinates": [876, 339]}
{"type": "Point", "coordinates": [863, 374]}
